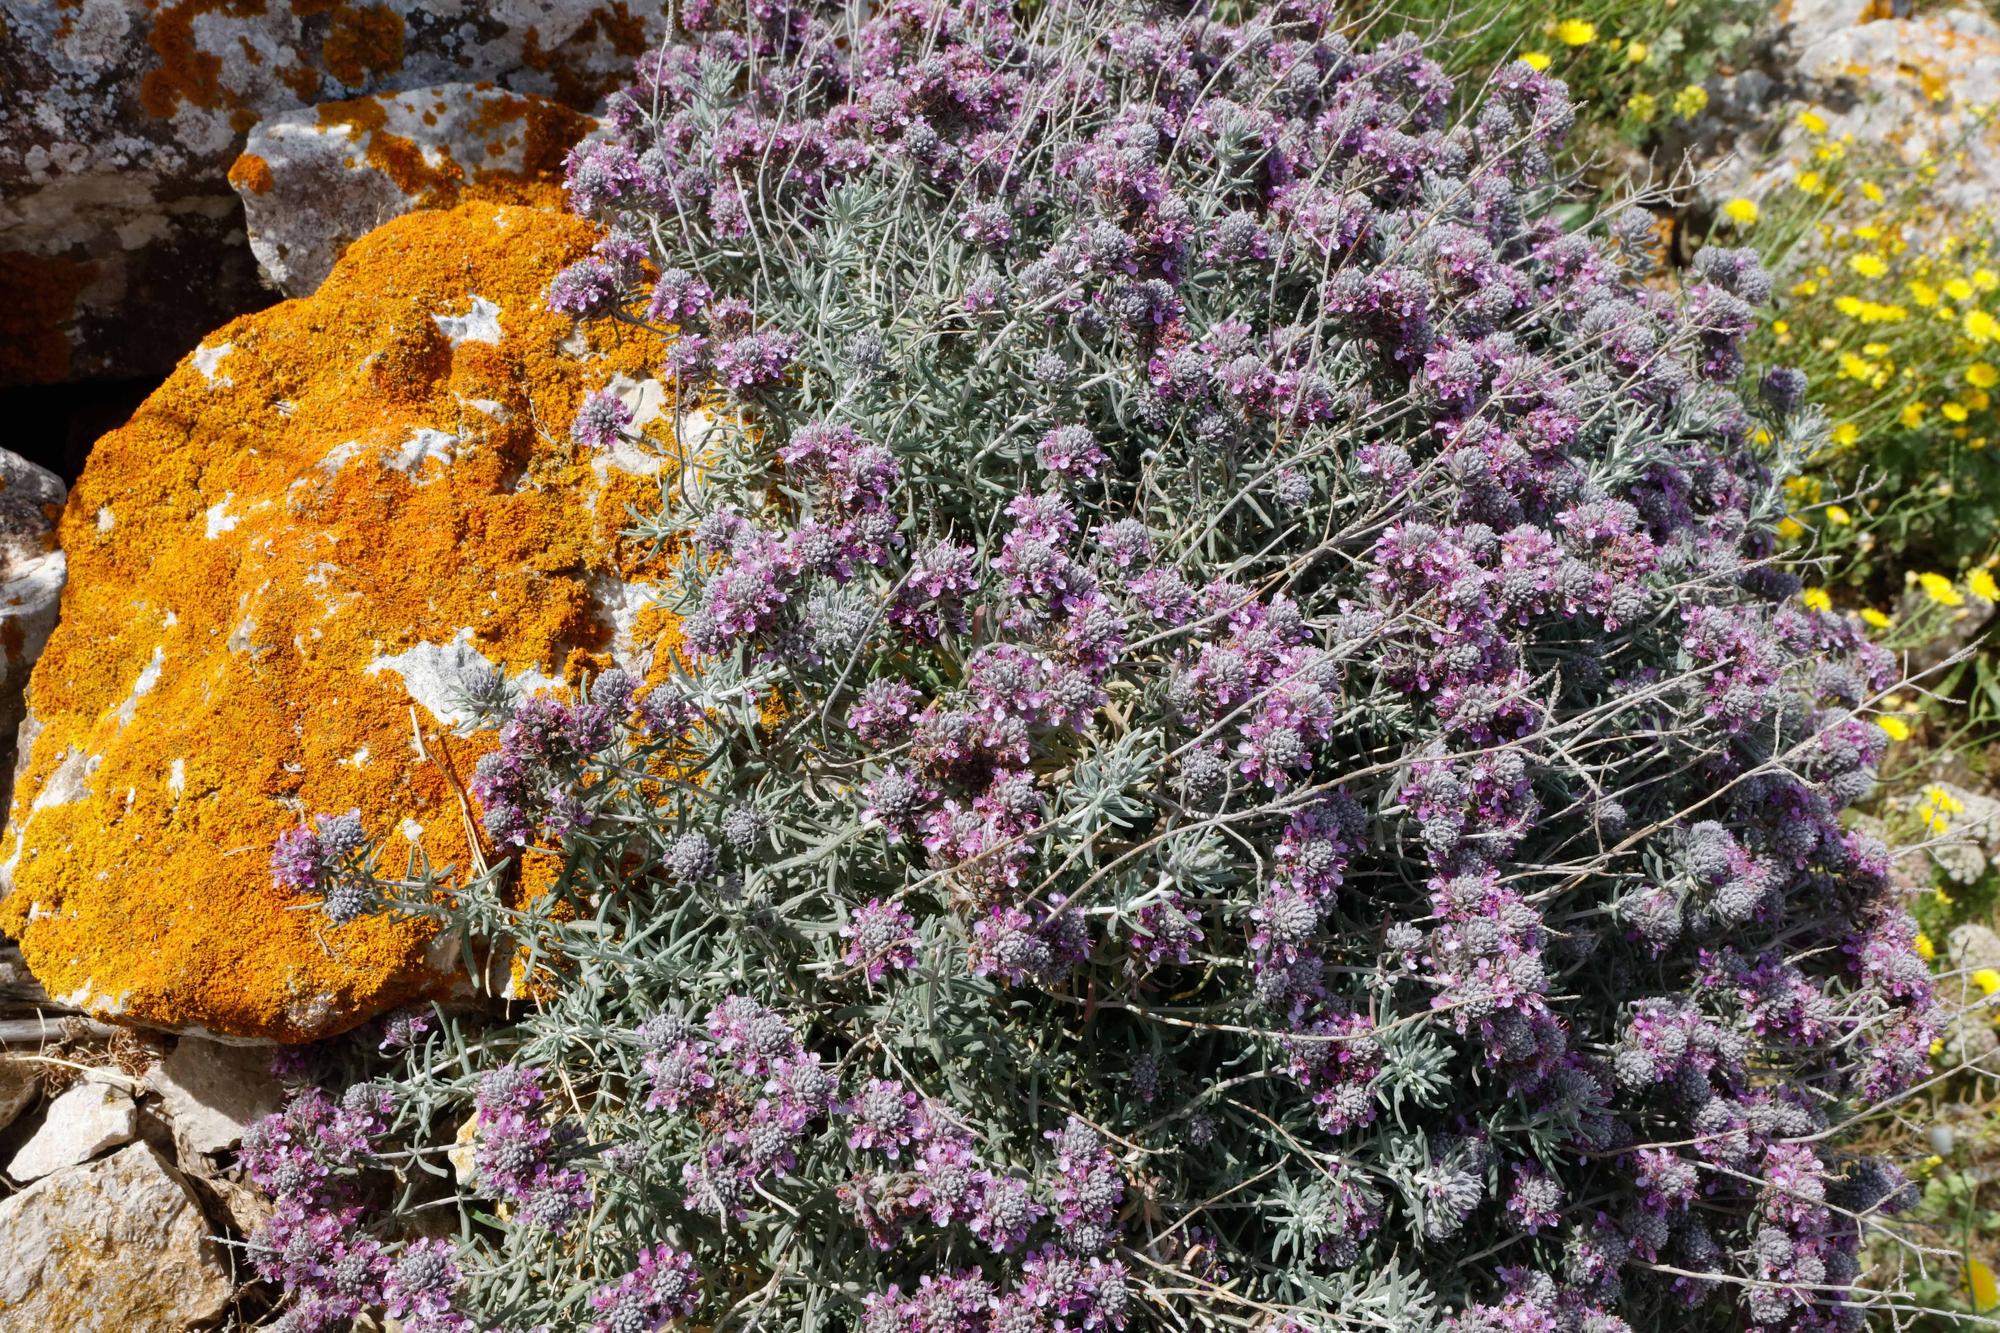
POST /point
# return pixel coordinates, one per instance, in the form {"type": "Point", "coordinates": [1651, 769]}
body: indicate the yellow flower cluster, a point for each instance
{"type": "Point", "coordinates": [1935, 807]}
{"type": "Point", "coordinates": [1892, 308]}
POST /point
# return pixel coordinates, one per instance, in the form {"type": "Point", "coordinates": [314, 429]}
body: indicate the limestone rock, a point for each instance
{"type": "Point", "coordinates": [120, 240]}
{"type": "Point", "coordinates": [19, 1082]}
{"type": "Point", "coordinates": [212, 1092]}
{"type": "Point", "coordinates": [313, 181]}
{"type": "Point", "coordinates": [1920, 86]}
{"type": "Point", "coordinates": [31, 582]}
{"type": "Point", "coordinates": [119, 1246]}
{"type": "Point", "coordinates": [298, 550]}
{"type": "Point", "coordinates": [88, 1119]}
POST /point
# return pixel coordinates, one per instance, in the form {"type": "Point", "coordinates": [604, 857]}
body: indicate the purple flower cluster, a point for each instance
{"type": "Point", "coordinates": [327, 859]}
{"type": "Point", "coordinates": [1257, 631]}
{"type": "Point", "coordinates": [752, 1086]}
{"type": "Point", "coordinates": [918, 1166]}
{"type": "Point", "coordinates": [663, 1287]}
{"type": "Point", "coordinates": [314, 1159]}
{"type": "Point", "coordinates": [519, 1155]}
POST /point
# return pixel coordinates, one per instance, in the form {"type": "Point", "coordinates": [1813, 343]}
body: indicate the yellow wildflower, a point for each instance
{"type": "Point", "coordinates": [1856, 367]}
{"type": "Point", "coordinates": [1987, 980]}
{"type": "Point", "coordinates": [1846, 433]}
{"type": "Point", "coordinates": [1816, 599]}
{"type": "Point", "coordinates": [1894, 727]}
{"type": "Point", "coordinates": [1876, 618]}
{"type": "Point", "coordinates": [1925, 949]}
{"type": "Point", "coordinates": [1982, 375]}
{"type": "Point", "coordinates": [1838, 516]}
{"type": "Point", "coordinates": [1867, 265]}
{"type": "Point", "coordinates": [1944, 800]}
{"type": "Point", "coordinates": [1981, 327]}
{"type": "Point", "coordinates": [1812, 122]}
{"type": "Point", "coordinates": [1958, 289]}
{"type": "Point", "coordinates": [1985, 279]}
{"type": "Point", "coordinates": [1642, 106]}
{"type": "Point", "coordinates": [1872, 191]}
{"type": "Point", "coordinates": [1576, 32]}
{"type": "Point", "coordinates": [1980, 1282]}
{"type": "Point", "coordinates": [1984, 586]}
{"type": "Point", "coordinates": [1868, 312]}
{"type": "Point", "coordinates": [1809, 182]}
{"type": "Point", "coordinates": [1938, 588]}
{"type": "Point", "coordinates": [1743, 212]}
{"type": "Point", "coordinates": [1535, 59]}
{"type": "Point", "coordinates": [1953, 411]}
{"type": "Point", "coordinates": [1790, 528]}
{"type": "Point", "coordinates": [1912, 415]}
{"type": "Point", "coordinates": [1690, 101]}
{"type": "Point", "coordinates": [1636, 53]}
{"type": "Point", "coordinates": [1923, 293]}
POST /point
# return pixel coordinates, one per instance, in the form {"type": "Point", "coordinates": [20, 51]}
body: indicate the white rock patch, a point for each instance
{"type": "Point", "coordinates": [425, 444]}
{"type": "Point", "coordinates": [207, 359]}
{"type": "Point", "coordinates": [149, 676]}
{"type": "Point", "coordinates": [80, 1124]}
{"type": "Point", "coordinates": [220, 520]}
{"type": "Point", "coordinates": [436, 676]}
{"type": "Point", "coordinates": [481, 324]}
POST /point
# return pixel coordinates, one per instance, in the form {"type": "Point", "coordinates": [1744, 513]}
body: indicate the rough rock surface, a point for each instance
{"type": "Point", "coordinates": [211, 1092]}
{"type": "Point", "coordinates": [19, 1082]}
{"type": "Point", "coordinates": [1922, 85]}
{"type": "Point", "coordinates": [31, 582]}
{"type": "Point", "coordinates": [88, 1119]}
{"type": "Point", "coordinates": [120, 241]}
{"type": "Point", "coordinates": [300, 546]}
{"type": "Point", "coordinates": [119, 1246]}
{"type": "Point", "coordinates": [314, 181]}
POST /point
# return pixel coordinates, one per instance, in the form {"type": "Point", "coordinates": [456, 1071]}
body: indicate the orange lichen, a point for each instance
{"type": "Point", "coordinates": [37, 302]}
{"type": "Point", "coordinates": [395, 156]}
{"type": "Point", "coordinates": [240, 554]}
{"type": "Point", "coordinates": [186, 73]}
{"type": "Point", "coordinates": [362, 40]}
{"type": "Point", "coordinates": [251, 172]}
{"type": "Point", "coordinates": [548, 131]}
{"type": "Point", "coordinates": [544, 130]}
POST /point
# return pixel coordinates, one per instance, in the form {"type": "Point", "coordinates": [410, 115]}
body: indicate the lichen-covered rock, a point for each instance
{"type": "Point", "coordinates": [119, 1246]}
{"type": "Point", "coordinates": [293, 555]}
{"type": "Point", "coordinates": [313, 181]}
{"type": "Point", "coordinates": [120, 240]}
{"type": "Point", "coordinates": [31, 582]}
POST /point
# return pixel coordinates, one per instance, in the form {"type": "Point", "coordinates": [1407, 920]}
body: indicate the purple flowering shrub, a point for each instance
{"type": "Point", "coordinates": [1241, 757]}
